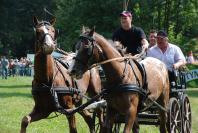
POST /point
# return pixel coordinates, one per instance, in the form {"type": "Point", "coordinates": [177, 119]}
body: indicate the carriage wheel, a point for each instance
{"type": "Point", "coordinates": [186, 115]}
{"type": "Point", "coordinates": [174, 124]}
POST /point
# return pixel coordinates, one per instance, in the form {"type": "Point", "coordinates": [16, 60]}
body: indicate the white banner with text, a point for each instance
{"type": "Point", "coordinates": [191, 75]}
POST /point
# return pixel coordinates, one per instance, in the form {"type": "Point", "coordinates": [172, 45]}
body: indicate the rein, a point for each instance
{"type": "Point", "coordinates": [110, 60]}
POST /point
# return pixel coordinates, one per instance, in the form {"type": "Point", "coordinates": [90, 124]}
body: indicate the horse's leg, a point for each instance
{"type": "Point", "coordinates": [131, 114]}
{"type": "Point", "coordinates": [88, 119]}
{"type": "Point", "coordinates": [100, 115]}
{"type": "Point", "coordinates": [94, 88]}
{"type": "Point", "coordinates": [72, 123]}
{"type": "Point", "coordinates": [109, 120]}
{"type": "Point", "coordinates": [35, 115]}
{"type": "Point", "coordinates": [136, 126]}
{"type": "Point", "coordinates": [164, 99]}
{"type": "Point", "coordinates": [162, 118]}
{"type": "Point", "coordinates": [162, 121]}
{"type": "Point", "coordinates": [130, 119]}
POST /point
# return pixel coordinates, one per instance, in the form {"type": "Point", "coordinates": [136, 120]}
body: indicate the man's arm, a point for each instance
{"type": "Point", "coordinates": [142, 36]}
{"type": "Point", "coordinates": [179, 58]}
{"type": "Point", "coordinates": [145, 44]}
{"type": "Point", "coordinates": [179, 63]}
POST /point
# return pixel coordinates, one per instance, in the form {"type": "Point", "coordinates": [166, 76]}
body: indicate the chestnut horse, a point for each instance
{"type": "Point", "coordinates": [124, 80]}
{"type": "Point", "coordinates": [51, 81]}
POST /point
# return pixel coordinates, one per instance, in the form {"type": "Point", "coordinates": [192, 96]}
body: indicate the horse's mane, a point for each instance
{"type": "Point", "coordinates": [110, 44]}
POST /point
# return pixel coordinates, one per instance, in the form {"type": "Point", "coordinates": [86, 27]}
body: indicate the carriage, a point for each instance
{"type": "Point", "coordinates": [178, 111]}
{"type": "Point", "coordinates": [49, 98]}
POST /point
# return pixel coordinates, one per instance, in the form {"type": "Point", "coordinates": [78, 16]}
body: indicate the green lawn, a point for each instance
{"type": "Point", "coordinates": [16, 101]}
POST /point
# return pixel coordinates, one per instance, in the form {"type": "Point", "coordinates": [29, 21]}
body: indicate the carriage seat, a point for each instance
{"type": "Point", "coordinates": [177, 79]}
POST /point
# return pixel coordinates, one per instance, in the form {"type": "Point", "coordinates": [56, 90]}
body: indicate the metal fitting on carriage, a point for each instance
{"type": "Point", "coordinates": [173, 84]}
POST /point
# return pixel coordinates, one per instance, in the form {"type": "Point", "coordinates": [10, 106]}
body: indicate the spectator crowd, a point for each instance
{"type": "Point", "coordinates": [15, 67]}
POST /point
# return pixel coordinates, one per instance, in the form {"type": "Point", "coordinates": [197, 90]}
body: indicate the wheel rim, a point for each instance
{"type": "Point", "coordinates": [186, 115]}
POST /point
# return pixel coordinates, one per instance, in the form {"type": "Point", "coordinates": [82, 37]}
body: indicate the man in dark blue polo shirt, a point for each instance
{"type": "Point", "coordinates": [130, 36]}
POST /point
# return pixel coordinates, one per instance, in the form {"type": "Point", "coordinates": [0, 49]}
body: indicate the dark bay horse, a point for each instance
{"type": "Point", "coordinates": [51, 78]}
{"type": "Point", "coordinates": [122, 76]}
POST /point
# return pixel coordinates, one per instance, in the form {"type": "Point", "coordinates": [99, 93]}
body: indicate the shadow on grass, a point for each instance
{"type": "Point", "coordinates": [15, 94]}
{"type": "Point", "coordinates": [15, 86]}
{"type": "Point", "coordinates": [192, 92]}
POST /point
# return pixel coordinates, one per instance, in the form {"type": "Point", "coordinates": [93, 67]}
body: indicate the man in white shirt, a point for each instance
{"type": "Point", "coordinates": [152, 38]}
{"type": "Point", "coordinates": [168, 53]}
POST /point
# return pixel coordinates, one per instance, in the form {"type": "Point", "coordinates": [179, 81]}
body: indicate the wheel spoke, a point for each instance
{"type": "Point", "coordinates": [189, 123]}
{"type": "Point", "coordinates": [185, 125]}
{"type": "Point", "coordinates": [177, 113]}
{"type": "Point", "coordinates": [173, 129]}
{"type": "Point", "coordinates": [178, 121]}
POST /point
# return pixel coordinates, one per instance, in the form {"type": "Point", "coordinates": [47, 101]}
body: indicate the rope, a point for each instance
{"type": "Point", "coordinates": [113, 59]}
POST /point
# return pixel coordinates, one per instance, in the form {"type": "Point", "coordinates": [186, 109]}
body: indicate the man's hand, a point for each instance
{"type": "Point", "coordinates": [178, 64]}
{"type": "Point", "coordinates": [145, 44]}
{"type": "Point", "coordinates": [175, 66]}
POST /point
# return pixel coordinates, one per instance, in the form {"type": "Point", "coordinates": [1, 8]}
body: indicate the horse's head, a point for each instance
{"type": "Point", "coordinates": [86, 53]}
{"type": "Point", "coordinates": [45, 35]}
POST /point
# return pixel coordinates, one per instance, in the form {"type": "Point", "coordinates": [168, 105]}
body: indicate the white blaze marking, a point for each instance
{"type": "Point", "coordinates": [48, 40]}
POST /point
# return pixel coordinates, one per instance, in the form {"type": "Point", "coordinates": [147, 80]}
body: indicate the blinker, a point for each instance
{"type": "Point", "coordinates": [86, 37]}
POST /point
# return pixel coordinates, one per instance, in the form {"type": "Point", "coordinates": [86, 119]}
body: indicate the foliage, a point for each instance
{"type": "Point", "coordinates": [192, 45]}
{"type": "Point", "coordinates": [16, 29]}
{"type": "Point", "coordinates": [16, 34]}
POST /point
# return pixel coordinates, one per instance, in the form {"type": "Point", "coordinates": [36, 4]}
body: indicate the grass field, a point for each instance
{"type": "Point", "coordinates": [16, 101]}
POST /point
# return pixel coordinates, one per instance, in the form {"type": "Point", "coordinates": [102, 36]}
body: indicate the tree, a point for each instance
{"type": "Point", "coordinates": [177, 17]}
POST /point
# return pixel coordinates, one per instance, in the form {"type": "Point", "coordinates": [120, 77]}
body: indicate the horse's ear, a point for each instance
{"type": "Point", "coordinates": [53, 21]}
{"type": "Point", "coordinates": [35, 20]}
{"type": "Point", "coordinates": [92, 31]}
{"type": "Point", "coordinates": [83, 29]}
